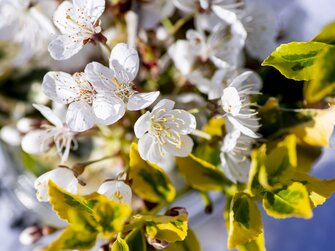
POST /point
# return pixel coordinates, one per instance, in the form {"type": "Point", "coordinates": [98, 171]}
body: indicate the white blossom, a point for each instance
{"type": "Point", "coordinates": [236, 103]}
{"type": "Point", "coordinates": [57, 133]}
{"type": "Point", "coordinates": [164, 132]}
{"type": "Point", "coordinates": [224, 9]}
{"type": "Point", "coordinates": [118, 78]}
{"type": "Point", "coordinates": [62, 177]}
{"type": "Point", "coordinates": [28, 24]}
{"type": "Point", "coordinates": [79, 24]}
{"type": "Point", "coordinates": [234, 156]}
{"type": "Point", "coordinates": [117, 191]}
{"type": "Point", "coordinates": [262, 26]}
{"type": "Point", "coordinates": [222, 46]}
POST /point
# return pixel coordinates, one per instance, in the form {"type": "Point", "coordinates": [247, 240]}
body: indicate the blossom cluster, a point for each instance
{"type": "Point", "coordinates": [154, 73]}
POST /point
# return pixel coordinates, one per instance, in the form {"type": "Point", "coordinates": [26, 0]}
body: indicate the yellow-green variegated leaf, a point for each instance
{"type": "Point", "coordinates": [110, 216]}
{"type": "Point", "coordinates": [136, 240]}
{"type": "Point", "coordinates": [200, 174]}
{"type": "Point", "coordinates": [279, 165]}
{"type": "Point", "coordinates": [120, 245]}
{"type": "Point", "coordinates": [316, 132]}
{"type": "Point", "coordinates": [167, 228]}
{"type": "Point", "coordinates": [255, 245]}
{"type": "Point", "coordinates": [190, 243]}
{"type": "Point", "coordinates": [63, 202]}
{"type": "Point", "coordinates": [258, 157]}
{"type": "Point", "coordinates": [214, 126]}
{"type": "Point", "coordinates": [319, 190]}
{"type": "Point", "coordinates": [292, 201]}
{"type": "Point", "coordinates": [149, 181]}
{"type": "Point", "coordinates": [296, 60]}
{"type": "Point", "coordinates": [72, 239]}
{"type": "Point", "coordinates": [327, 35]}
{"type": "Point", "coordinates": [245, 221]}
{"type": "Point", "coordinates": [323, 81]}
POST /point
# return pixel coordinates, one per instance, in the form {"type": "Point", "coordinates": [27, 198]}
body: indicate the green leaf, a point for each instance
{"type": "Point", "coordinates": [63, 202]}
{"type": "Point", "coordinates": [245, 221]}
{"type": "Point", "coordinates": [190, 243]}
{"type": "Point", "coordinates": [296, 60]}
{"type": "Point", "coordinates": [317, 131]}
{"type": "Point", "coordinates": [292, 201]}
{"type": "Point", "coordinates": [110, 216]}
{"type": "Point", "coordinates": [327, 35]}
{"type": "Point", "coordinates": [323, 81]}
{"type": "Point", "coordinates": [166, 228]}
{"type": "Point", "coordinates": [258, 157]}
{"type": "Point", "coordinates": [33, 165]}
{"type": "Point", "coordinates": [279, 165]}
{"type": "Point", "coordinates": [120, 245]}
{"type": "Point", "coordinates": [136, 240]}
{"type": "Point", "coordinates": [71, 239]}
{"type": "Point", "coordinates": [319, 190]}
{"type": "Point", "coordinates": [149, 180]}
{"type": "Point", "coordinates": [255, 245]}
{"type": "Point", "coordinates": [214, 127]}
{"type": "Point", "coordinates": [201, 175]}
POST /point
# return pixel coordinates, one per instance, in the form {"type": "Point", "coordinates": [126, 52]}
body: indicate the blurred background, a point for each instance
{"type": "Point", "coordinates": [300, 20]}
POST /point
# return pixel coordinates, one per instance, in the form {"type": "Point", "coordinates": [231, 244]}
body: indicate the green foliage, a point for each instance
{"type": "Point", "coordinates": [323, 81]}
{"type": "Point", "coordinates": [190, 243]}
{"type": "Point", "coordinates": [166, 228]}
{"type": "Point", "coordinates": [120, 245]}
{"type": "Point", "coordinates": [73, 239]}
{"type": "Point", "coordinates": [149, 180]}
{"type": "Point", "coordinates": [296, 60]}
{"type": "Point", "coordinates": [136, 240]}
{"type": "Point", "coordinates": [245, 222]}
{"type": "Point", "coordinates": [327, 35]}
{"type": "Point", "coordinates": [279, 165]}
{"type": "Point", "coordinates": [254, 245]}
{"type": "Point", "coordinates": [88, 216]}
{"type": "Point", "coordinates": [201, 175]}
{"type": "Point", "coordinates": [292, 201]}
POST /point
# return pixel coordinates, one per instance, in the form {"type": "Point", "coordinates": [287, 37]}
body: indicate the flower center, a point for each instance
{"type": "Point", "coordinates": [124, 89]}
{"type": "Point", "coordinates": [165, 128]}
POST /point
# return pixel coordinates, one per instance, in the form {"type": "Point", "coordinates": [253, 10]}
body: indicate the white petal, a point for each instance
{"type": "Point", "coordinates": [185, 5]}
{"type": "Point", "coordinates": [140, 101]}
{"type": "Point", "coordinates": [197, 79]}
{"type": "Point", "coordinates": [149, 149]}
{"type": "Point", "coordinates": [80, 116]}
{"type": "Point", "coordinates": [49, 114]}
{"type": "Point", "coordinates": [165, 104]}
{"type": "Point", "coordinates": [117, 191]}
{"type": "Point", "coordinates": [60, 18]}
{"type": "Point", "coordinates": [100, 76]}
{"type": "Point", "coordinates": [37, 142]}
{"type": "Point", "coordinates": [64, 47]}
{"type": "Point", "coordinates": [107, 109]}
{"type": "Point", "coordinates": [63, 177]}
{"type": "Point", "coordinates": [10, 135]}
{"type": "Point", "coordinates": [183, 121]}
{"type": "Point", "coordinates": [59, 86]}
{"type": "Point", "coordinates": [224, 14]}
{"type": "Point", "coordinates": [230, 141]}
{"type": "Point", "coordinates": [182, 55]}
{"type": "Point", "coordinates": [239, 126]}
{"type": "Point", "coordinates": [142, 125]}
{"type": "Point", "coordinates": [184, 150]}
{"type": "Point", "coordinates": [231, 101]}
{"type": "Point", "coordinates": [235, 170]}
{"type": "Point", "coordinates": [124, 59]}
{"type": "Point", "coordinates": [93, 8]}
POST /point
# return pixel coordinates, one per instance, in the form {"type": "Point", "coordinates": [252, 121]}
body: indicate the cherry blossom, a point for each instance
{"type": "Point", "coordinates": [79, 24]}
{"type": "Point", "coordinates": [164, 132]}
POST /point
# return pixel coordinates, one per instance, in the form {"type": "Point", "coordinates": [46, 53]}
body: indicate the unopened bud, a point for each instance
{"type": "Point", "coordinates": [31, 235]}
{"type": "Point", "coordinates": [157, 244]}
{"type": "Point", "coordinates": [176, 211]}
